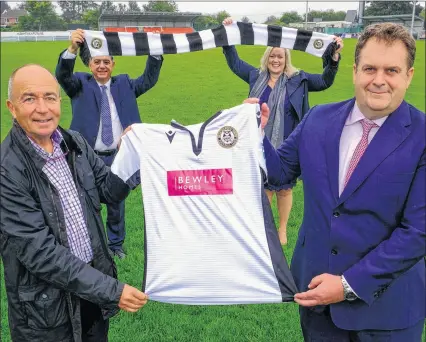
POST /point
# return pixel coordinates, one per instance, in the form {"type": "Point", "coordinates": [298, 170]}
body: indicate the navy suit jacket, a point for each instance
{"type": "Point", "coordinates": [85, 95]}
{"type": "Point", "coordinates": [298, 86]}
{"type": "Point", "coordinates": [374, 232]}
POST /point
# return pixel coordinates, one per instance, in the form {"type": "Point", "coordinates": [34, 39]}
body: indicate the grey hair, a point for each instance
{"type": "Point", "coordinates": [12, 77]}
{"type": "Point", "coordinates": [9, 88]}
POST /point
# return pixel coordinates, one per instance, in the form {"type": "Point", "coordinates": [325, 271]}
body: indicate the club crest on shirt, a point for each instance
{"type": "Point", "coordinates": [318, 43]}
{"type": "Point", "coordinates": [227, 136]}
{"type": "Point", "coordinates": [96, 43]}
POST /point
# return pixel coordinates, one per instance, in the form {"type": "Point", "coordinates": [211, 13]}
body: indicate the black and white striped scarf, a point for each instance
{"type": "Point", "coordinates": [139, 43]}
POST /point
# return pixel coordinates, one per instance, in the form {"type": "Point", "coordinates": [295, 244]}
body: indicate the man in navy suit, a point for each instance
{"type": "Point", "coordinates": [359, 258]}
{"type": "Point", "coordinates": [103, 106]}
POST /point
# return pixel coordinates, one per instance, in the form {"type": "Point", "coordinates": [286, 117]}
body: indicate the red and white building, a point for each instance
{"type": "Point", "coordinates": [10, 17]}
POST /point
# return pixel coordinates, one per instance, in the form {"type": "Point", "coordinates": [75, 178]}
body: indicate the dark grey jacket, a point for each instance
{"type": "Point", "coordinates": [44, 281]}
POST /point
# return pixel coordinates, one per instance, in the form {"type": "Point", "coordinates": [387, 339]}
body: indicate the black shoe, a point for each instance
{"type": "Point", "coordinates": [119, 252]}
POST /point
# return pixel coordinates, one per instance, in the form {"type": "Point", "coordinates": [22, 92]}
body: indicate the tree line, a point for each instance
{"type": "Point", "coordinates": [44, 16]}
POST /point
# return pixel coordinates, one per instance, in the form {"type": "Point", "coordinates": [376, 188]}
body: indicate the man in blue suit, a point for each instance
{"type": "Point", "coordinates": [359, 258]}
{"type": "Point", "coordinates": [103, 106]}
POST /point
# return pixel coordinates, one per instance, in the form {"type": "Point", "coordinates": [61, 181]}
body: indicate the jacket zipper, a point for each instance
{"type": "Point", "coordinates": [67, 294]}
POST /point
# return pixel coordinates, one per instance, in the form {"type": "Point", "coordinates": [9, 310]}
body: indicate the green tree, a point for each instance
{"type": "Point", "coordinates": [91, 18]}
{"type": "Point", "coordinates": [422, 13]}
{"type": "Point", "coordinates": [220, 16]}
{"type": "Point", "coordinates": [122, 8]}
{"type": "Point", "coordinates": [327, 15]}
{"type": "Point", "coordinates": [160, 6]}
{"type": "Point", "coordinates": [133, 6]}
{"type": "Point", "coordinates": [290, 17]}
{"type": "Point", "coordinates": [4, 6]}
{"type": "Point", "coordinates": [245, 19]}
{"type": "Point", "coordinates": [205, 22]}
{"type": "Point", "coordinates": [337, 16]}
{"type": "Point", "coordinates": [210, 20]}
{"type": "Point", "coordinates": [41, 17]}
{"type": "Point", "coordinates": [391, 7]}
{"type": "Point", "coordinates": [271, 19]}
{"type": "Point", "coordinates": [73, 10]}
{"type": "Point", "coordinates": [107, 6]}
{"type": "Point", "coordinates": [20, 5]}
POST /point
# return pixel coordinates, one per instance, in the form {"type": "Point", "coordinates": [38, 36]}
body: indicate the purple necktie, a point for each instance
{"type": "Point", "coordinates": [106, 134]}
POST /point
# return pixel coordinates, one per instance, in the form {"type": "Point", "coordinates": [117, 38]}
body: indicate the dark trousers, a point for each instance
{"type": "Point", "coordinates": [115, 218]}
{"type": "Point", "coordinates": [318, 327]}
{"type": "Point", "coordinates": [94, 327]}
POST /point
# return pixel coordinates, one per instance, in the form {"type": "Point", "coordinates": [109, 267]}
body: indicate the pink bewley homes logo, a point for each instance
{"type": "Point", "coordinates": [199, 182]}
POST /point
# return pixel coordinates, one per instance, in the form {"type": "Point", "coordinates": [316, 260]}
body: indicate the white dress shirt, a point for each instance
{"type": "Point", "coordinates": [117, 128]}
{"type": "Point", "coordinates": [351, 136]}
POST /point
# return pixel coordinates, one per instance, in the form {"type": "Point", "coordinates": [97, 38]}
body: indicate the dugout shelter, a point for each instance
{"type": "Point", "coordinates": [157, 22]}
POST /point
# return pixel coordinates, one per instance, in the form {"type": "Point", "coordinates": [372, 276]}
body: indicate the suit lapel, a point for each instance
{"type": "Point", "coordinates": [332, 144]}
{"type": "Point", "coordinates": [294, 82]}
{"type": "Point", "coordinates": [296, 101]}
{"type": "Point", "coordinates": [392, 133]}
{"type": "Point", "coordinates": [115, 96]}
{"type": "Point", "coordinates": [96, 92]}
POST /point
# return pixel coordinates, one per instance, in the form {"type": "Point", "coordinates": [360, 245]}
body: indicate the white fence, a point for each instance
{"type": "Point", "coordinates": [34, 36]}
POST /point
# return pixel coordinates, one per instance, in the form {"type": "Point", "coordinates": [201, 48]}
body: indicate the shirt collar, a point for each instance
{"type": "Point", "coordinates": [356, 115]}
{"type": "Point", "coordinates": [106, 84]}
{"type": "Point", "coordinates": [56, 138]}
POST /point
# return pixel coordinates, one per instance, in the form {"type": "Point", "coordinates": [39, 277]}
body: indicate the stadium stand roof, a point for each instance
{"type": "Point", "coordinates": [172, 16]}
{"type": "Point", "coordinates": [14, 13]}
{"type": "Point", "coordinates": [382, 18]}
{"type": "Point", "coordinates": [75, 26]}
{"type": "Point", "coordinates": [351, 15]}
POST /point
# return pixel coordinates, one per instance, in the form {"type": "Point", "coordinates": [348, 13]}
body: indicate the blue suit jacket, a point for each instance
{"type": "Point", "coordinates": [374, 233]}
{"type": "Point", "coordinates": [298, 86]}
{"type": "Point", "coordinates": [85, 95]}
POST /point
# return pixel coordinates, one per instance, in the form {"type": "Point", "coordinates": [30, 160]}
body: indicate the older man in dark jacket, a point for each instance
{"type": "Point", "coordinates": [60, 279]}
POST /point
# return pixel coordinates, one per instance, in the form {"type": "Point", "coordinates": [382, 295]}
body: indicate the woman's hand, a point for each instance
{"type": "Point", "coordinates": [227, 21]}
{"type": "Point", "coordinates": [339, 42]}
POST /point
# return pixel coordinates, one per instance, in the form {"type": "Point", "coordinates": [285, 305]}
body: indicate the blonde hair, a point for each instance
{"type": "Point", "coordinates": [289, 69]}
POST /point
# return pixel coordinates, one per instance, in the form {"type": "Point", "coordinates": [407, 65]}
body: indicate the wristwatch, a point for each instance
{"type": "Point", "coordinates": [348, 293]}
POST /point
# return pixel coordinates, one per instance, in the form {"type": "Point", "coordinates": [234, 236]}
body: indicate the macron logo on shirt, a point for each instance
{"type": "Point", "coordinates": [170, 135]}
{"type": "Point", "coordinates": [199, 182]}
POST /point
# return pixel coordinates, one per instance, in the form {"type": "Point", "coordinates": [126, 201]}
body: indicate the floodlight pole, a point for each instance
{"type": "Point", "coordinates": [412, 17]}
{"type": "Point", "coordinates": [101, 11]}
{"type": "Point", "coordinates": [306, 16]}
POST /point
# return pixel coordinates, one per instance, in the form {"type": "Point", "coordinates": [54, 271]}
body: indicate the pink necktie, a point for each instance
{"type": "Point", "coordinates": [360, 148]}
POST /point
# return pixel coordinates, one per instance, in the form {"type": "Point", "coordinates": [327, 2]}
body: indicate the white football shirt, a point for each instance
{"type": "Point", "coordinates": [210, 237]}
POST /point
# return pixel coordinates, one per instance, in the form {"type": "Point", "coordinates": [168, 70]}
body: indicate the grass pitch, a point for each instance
{"type": "Point", "coordinates": [191, 88]}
